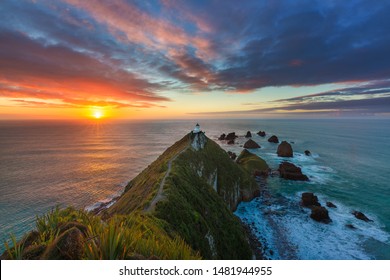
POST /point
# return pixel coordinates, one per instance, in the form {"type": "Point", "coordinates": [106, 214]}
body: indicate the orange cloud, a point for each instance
{"type": "Point", "coordinates": [29, 69]}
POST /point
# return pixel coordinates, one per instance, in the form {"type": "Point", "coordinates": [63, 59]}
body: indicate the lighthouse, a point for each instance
{"type": "Point", "coordinates": [196, 129]}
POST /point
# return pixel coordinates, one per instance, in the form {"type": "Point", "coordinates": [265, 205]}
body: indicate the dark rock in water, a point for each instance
{"type": "Point", "coordinates": [222, 137]}
{"type": "Point", "coordinates": [232, 155]}
{"type": "Point", "coordinates": [361, 216]}
{"type": "Point", "coordinates": [248, 134]}
{"type": "Point", "coordinates": [350, 226]}
{"type": "Point", "coordinates": [285, 150]}
{"type": "Point", "coordinates": [320, 214]}
{"type": "Point", "coordinates": [330, 204]}
{"type": "Point", "coordinates": [309, 200]}
{"type": "Point", "coordinates": [250, 144]}
{"type": "Point", "coordinates": [261, 133]}
{"type": "Point", "coordinates": [231, 142]}
{"type": "Point", "coordinates": [231, 136]}
{"type": "Point", "coordinates": [273, 139]}
{"type": "Point", "coordinates": [291, 172]}
{"type": "Point", "coordinates": [308, 153]}
{"type": "Point", "coordinates": [68, 246]}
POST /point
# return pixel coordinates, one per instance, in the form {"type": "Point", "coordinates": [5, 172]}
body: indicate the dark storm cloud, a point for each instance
{"type": "Point", "coordinates": [138, 49]}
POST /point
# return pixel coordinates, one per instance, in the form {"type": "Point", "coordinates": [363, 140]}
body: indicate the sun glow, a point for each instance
{"type": "Point", "coordinates": [97, 113]}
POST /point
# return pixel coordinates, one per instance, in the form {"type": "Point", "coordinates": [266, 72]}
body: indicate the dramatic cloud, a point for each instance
{"type": "Point", "coordinates": [142, 53]}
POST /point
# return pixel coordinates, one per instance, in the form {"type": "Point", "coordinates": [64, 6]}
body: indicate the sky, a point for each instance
{"type": "Point", "coordinates": [167, 59]}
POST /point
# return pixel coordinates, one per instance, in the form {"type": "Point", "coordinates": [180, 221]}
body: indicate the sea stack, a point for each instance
{"type": "Point", "coordinates": [273, 139]}
{"type": "Point", "coordinates": [285, 150]}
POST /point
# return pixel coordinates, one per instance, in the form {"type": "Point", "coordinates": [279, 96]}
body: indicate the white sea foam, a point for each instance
{"type": "Point", "coordinates": [288, 231]}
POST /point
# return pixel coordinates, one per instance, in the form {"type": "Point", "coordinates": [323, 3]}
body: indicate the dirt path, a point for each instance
{"type": "Point", "coordinates": [160, 195]}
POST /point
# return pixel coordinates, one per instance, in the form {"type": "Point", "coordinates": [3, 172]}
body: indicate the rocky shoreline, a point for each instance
{"type": "Point", "coordinates": [288, 171]}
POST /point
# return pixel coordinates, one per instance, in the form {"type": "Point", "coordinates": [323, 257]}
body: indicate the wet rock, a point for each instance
{"type": "Point", "coordinates": [291, 172]}
{"type": "Point", "coordinates": [231, 136]}
{"type": "Point", "coordinates": [330, 204]}
{"type": "Point", "coordinates": [361, 216]}
{"type": "Point", "coordinates": [273, 139]}
{"type": "Point", "coordinates": [320, 214]}
{"type": "Point", "coordinates": [350, 226]}
{"type": "Point", "coordinates": [308, 153]}
{"type": "Point", "coordinates": [248, 134]}
{"type": "Point", "coordinates": [309, 200]}
{"type": "Point", "coordinates": [222, 137]}
{"type": "Point", "coordinates": [285, 150]}
{"type": "Point", "coordinates": [250, 144]}
{"type": "Point", "coordinates": [230, 142]}
{"type": "Point", "coordinates": [261, 133]}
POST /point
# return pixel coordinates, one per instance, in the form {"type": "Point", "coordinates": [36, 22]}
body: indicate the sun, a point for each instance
{"type": "Point", "coordinates": [97, 114]}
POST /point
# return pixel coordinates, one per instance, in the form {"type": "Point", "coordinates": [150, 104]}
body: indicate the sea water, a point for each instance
{"type": "Point", "coordinates": [84, 164]}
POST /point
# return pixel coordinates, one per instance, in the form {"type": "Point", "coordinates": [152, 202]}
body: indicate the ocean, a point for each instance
{"type": "Point", "coordinates": [48, 163]}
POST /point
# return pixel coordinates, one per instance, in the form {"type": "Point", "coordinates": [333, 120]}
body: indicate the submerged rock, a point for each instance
{"type": "Point", "coordinates": [309, 200]}
{"type": "Point", "coordinates": [285, 150]}
{"type": "Point", "coordinates": [291, 172]}
{"type": "Point", "coordinates": [273, 139]}
{"type": "Point", "coordinates": [320, 214]}
{"type": "Point", "coordinates": [308, 153]}
{"type": "Point", "coordinates": [230, 142]}
{"type": "Point", "coordinates": [261, 133]}
{"type": "Point", "coordinates": [250, 144]}
{"type": "Point", "coordinates": [361, 216]}
{"type": "Point", "coordinates": [350, 226]}
{"type": "Point", "coordinates": [248, 134]}
{"type": "Point", "coordinates": [330, 204]}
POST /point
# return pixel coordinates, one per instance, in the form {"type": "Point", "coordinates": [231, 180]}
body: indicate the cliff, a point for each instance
{"type": "Point", "coordinates": [179, 207]}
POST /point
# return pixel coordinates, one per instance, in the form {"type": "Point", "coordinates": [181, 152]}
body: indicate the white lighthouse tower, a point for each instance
{"type": "Point", "coordinates": [196, 129]}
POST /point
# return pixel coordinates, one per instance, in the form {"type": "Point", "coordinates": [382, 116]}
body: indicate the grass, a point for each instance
{"type": "Point", "coordinates": [194, 210]}
{"type": "Point", "coordinates": [251, 162]}
{"type": "Point", "coordinates": [121, 237]}
{"type": "Point", "coordinates": [145, 185]}
{"type": "Point", "coordinates": [14, 252]}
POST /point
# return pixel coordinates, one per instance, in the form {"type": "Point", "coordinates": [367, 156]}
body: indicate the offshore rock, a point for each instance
{"type": "Point", "coordinates": [250, 144]}
{"type": "Point", "coordinates": [320, 214]}
{"type": "Point", "coordinates": [222, 137]}
{"type": "Point", "coordinates": [330, 204]}
{"type": "Point", "coordinates": [273, 139]}
{"type": "Point", "coordinates": [285, 150]}
{"type": "Point", "coordinates": [361, 216]}
{"type": "Point", "coordinates": [309, 200]}
{"type": "Point", "coordinates": [231, 136]}
{"type": "Point", "coordinates": [308, 153]}
{"type": "Point", "coordinates": [291, 172]}
{"type": "Point", "coordinates": [261, 133]}
{"type": "Point", "coordinates": [248, 134]}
